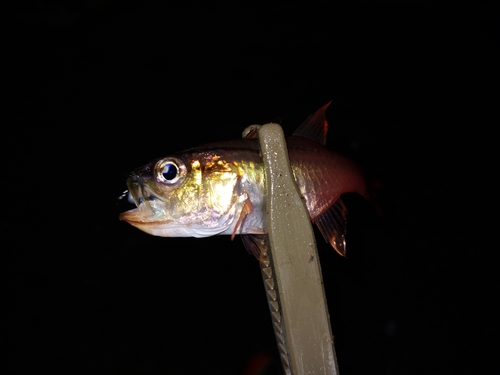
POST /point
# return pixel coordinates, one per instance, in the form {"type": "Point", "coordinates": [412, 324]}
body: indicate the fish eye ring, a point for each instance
{"type": "Point", "coordinates": [169, 171]}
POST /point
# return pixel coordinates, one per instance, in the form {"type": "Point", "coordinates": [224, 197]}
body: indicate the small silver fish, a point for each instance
{"type": "Point", "coordinates": [220, 188]}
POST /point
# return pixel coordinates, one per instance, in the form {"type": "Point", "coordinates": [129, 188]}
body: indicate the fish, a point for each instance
{"type": "Point", "coordinates": [220, 188]}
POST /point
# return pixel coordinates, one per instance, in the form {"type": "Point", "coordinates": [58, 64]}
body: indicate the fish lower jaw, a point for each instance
{"type": "Point", "coordinates": [168, 228]}
{"type": "Point", "coordinates": [175, 230]}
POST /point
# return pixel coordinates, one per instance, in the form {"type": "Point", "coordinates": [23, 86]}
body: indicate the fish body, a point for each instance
{"type": "Point", "coordinates": [220, 188]}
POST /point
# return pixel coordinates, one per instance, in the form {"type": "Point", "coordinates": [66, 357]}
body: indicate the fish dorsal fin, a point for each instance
{"type": "Point", "coordinates": [332, 225]}
{"type": "Point", "coordinates": [315, 126]}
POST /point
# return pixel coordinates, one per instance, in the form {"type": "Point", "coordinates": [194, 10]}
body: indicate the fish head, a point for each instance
{"type": "Point", "coordinates": [185, 195]}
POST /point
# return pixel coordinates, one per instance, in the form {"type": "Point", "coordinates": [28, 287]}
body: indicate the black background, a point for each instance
{"type": "Point", "coordinates": [93, 89]}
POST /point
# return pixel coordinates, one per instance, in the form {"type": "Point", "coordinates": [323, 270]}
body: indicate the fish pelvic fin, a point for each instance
{"type": "Point", "coordinates": [255, 244]}
{"type": "Point", "coordinates": [315, 127]}
{"type": "Point", "coordinates": [245, 210]}
{"type": "Point", "coordinates": [332, 225]}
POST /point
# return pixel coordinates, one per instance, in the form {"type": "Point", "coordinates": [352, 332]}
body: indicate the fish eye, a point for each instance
{"type": "Point", "coordinates": [169, 171]}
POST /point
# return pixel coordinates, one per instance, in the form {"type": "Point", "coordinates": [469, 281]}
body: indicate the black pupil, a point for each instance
{"type": "Point", "coordinates": [169, 172]}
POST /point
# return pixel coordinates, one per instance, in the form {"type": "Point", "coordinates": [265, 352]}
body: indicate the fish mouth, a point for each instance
{"type": "Point", "coordinates": [146, 201]}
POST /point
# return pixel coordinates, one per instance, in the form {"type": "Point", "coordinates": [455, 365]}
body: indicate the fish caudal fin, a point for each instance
{"type": "Point", "coordinates": [332, 225]}
{"type": "Point", "coordinates": [315, 126]}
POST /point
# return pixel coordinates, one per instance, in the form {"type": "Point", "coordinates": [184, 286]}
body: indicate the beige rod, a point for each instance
{"type": "Point", "coordinates": [292, 275]}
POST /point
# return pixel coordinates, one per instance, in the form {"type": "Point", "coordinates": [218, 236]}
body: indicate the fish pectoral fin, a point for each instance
{"type": "Point", "coordinates": [255, 244]}
{"type": "Point", "coordinates": [245, 210]}
{"type": "Point", "coordinates": [332, 225]}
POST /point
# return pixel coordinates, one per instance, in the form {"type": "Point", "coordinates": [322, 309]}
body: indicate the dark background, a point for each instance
{"type": "Point", "coordinates": [93, 89]}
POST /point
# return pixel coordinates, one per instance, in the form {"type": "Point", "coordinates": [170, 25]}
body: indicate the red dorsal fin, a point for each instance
{"type": "Point", "coordinates": [315, 126]}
